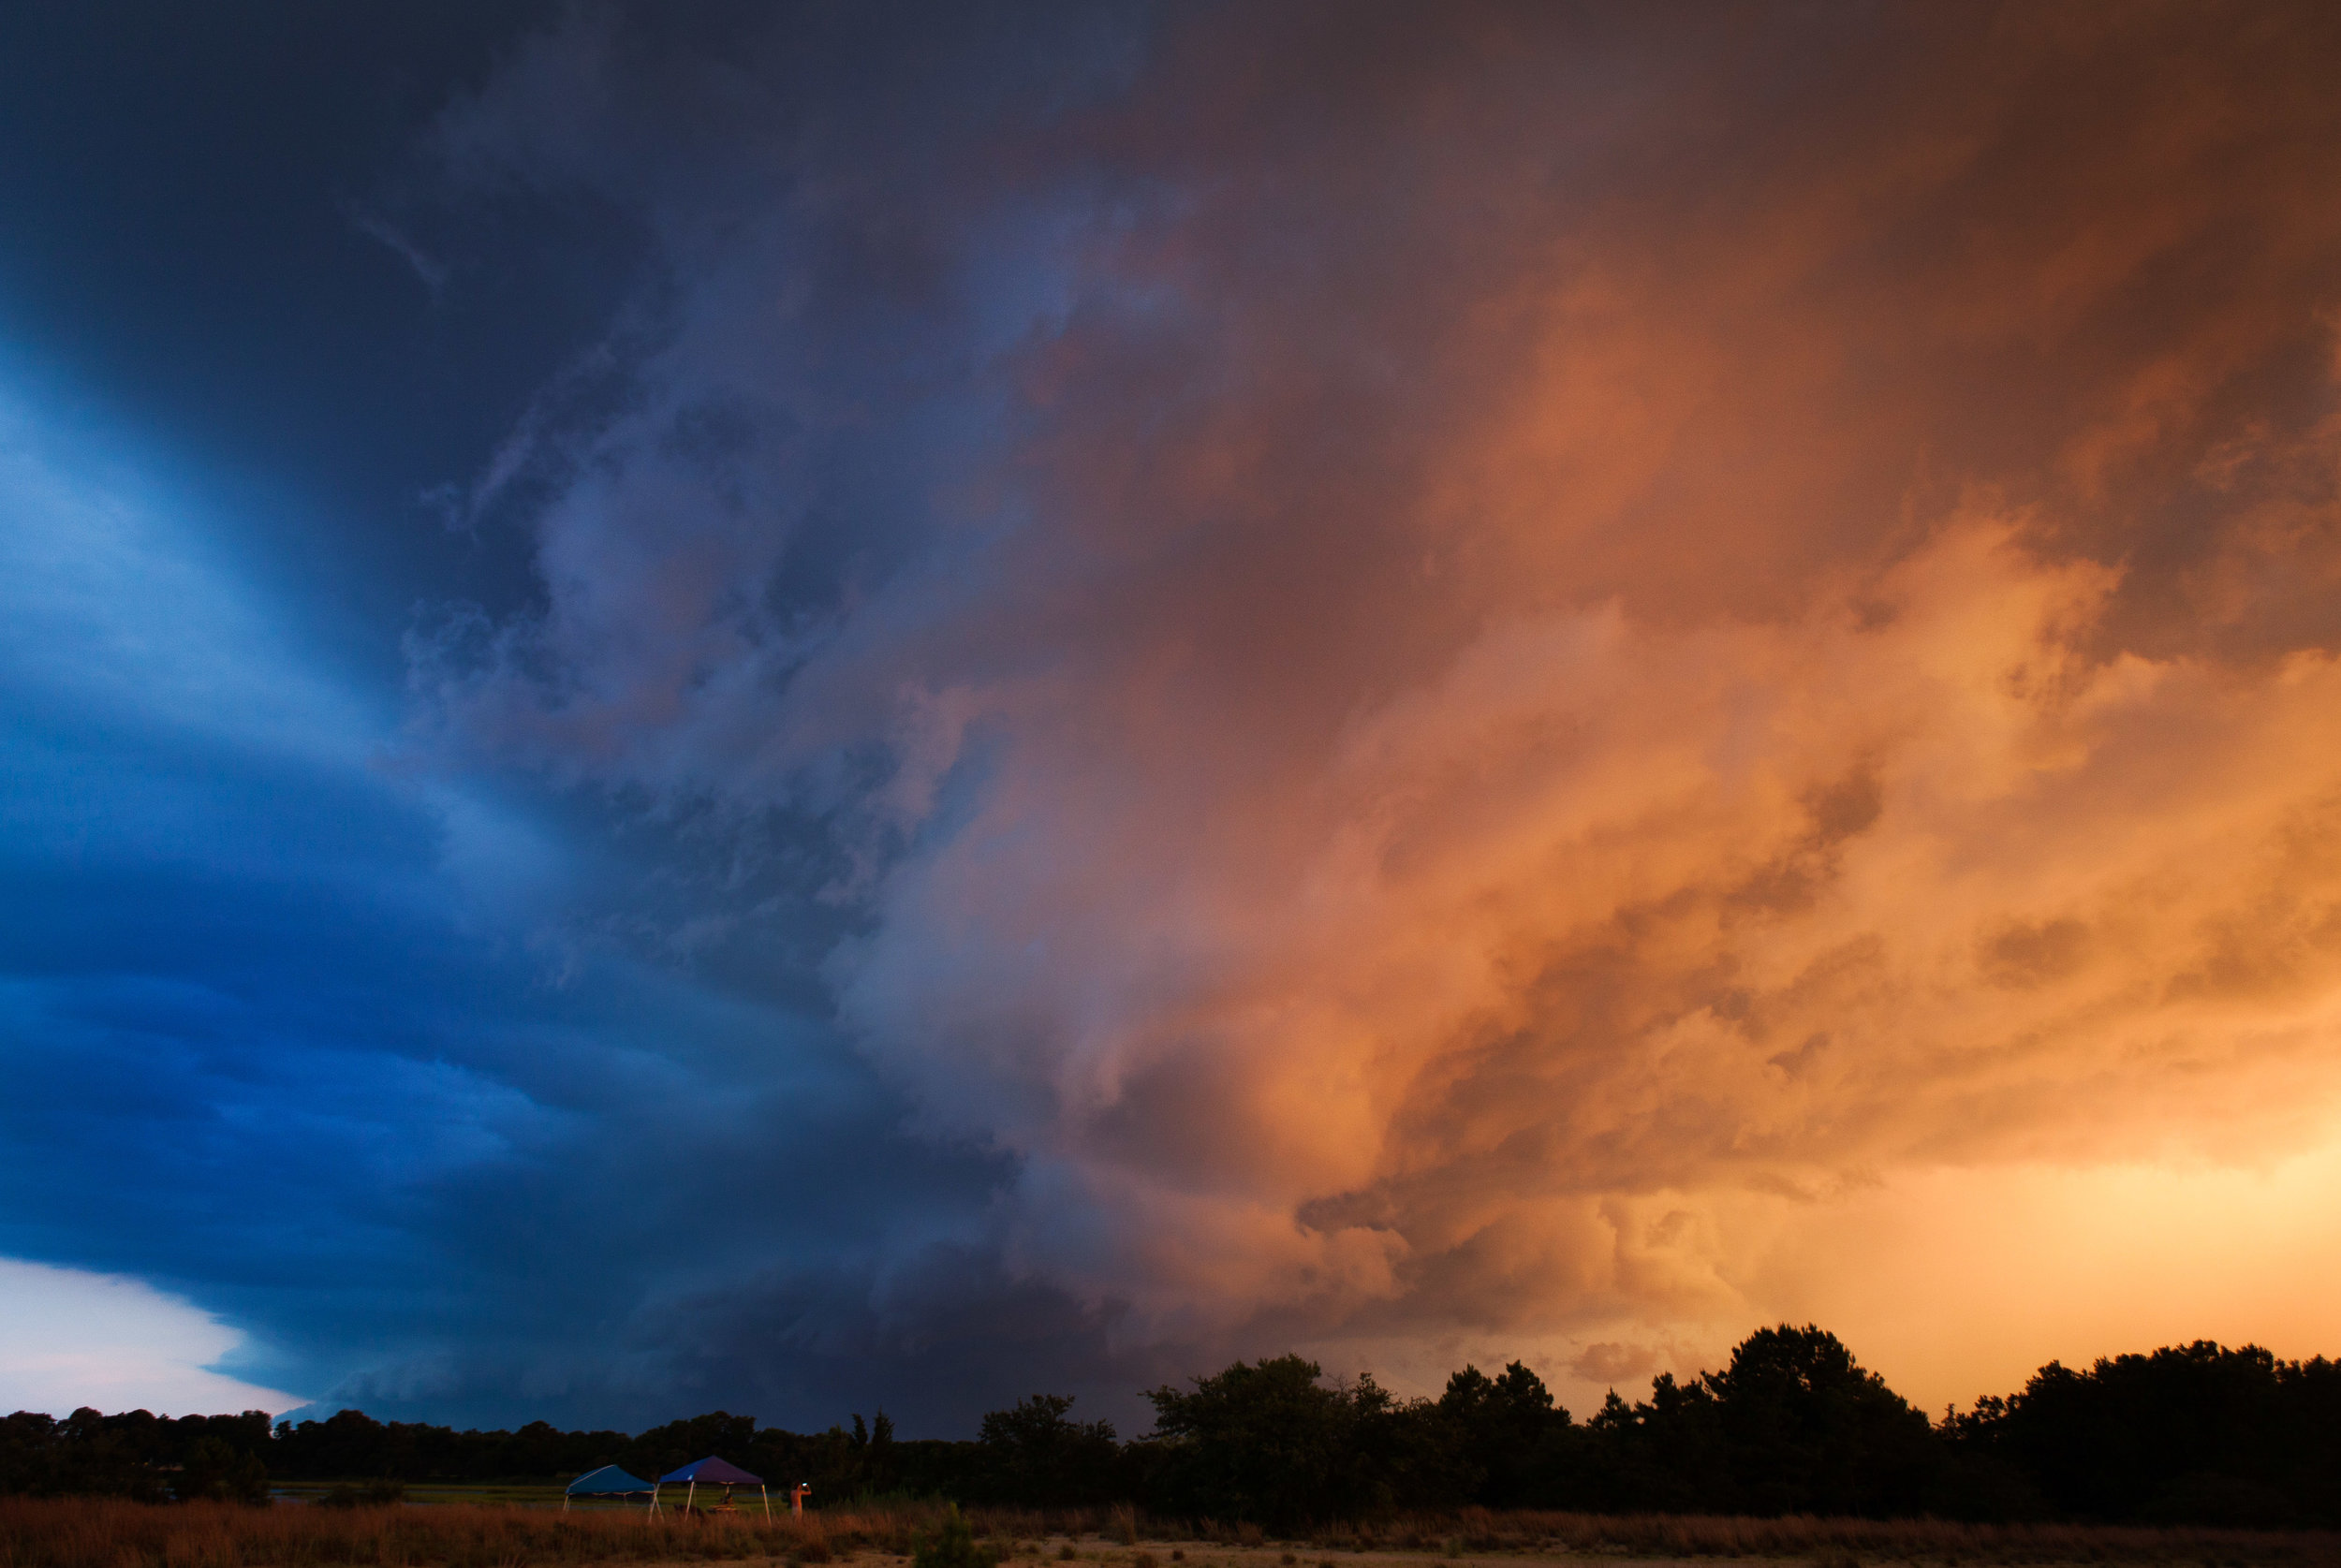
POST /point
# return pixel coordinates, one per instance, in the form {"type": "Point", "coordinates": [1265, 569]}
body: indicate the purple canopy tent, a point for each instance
{"type": "Point", "coordinates": [715, 1474]}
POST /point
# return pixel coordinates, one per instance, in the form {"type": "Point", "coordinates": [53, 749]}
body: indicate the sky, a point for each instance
{"type": "Point", "coordinates": [815, 708]}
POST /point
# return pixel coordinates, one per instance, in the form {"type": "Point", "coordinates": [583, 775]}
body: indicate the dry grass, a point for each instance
{"type": "Point", "coordinates": [103, 1532]}
{"type": "Point", "coordinates": [1832, 1543]}
{"type": "Point", "coordinates": [91, 1532]}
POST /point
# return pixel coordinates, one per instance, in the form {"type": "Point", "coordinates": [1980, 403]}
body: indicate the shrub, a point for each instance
{"type": "Point", "coordinates": [952, 1545]}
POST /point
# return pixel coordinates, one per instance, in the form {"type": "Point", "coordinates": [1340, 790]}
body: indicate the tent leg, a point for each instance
{"type": "Point", "coordinates": [768, 1501]}
{"type": "Point", "coordinates": [687, 1497]}
{"type": "Point", "coordinates": [654, 1498]}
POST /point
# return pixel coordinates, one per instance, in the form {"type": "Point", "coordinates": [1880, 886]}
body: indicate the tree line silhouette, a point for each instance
{"type": "Point", "coordinates": [2188, 1434]}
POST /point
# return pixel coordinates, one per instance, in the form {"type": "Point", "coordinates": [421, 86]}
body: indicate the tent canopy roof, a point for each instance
{"type": "Point", "coordinates": [608, 1481]}
{"type": "Point", "coordinates": [715, 1472]}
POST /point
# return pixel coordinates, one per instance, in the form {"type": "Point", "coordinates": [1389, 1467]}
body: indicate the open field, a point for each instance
{"type": "Point", "coordinates": [519, 1494]}
{"type": "Point", "coordinates": [79, 1532]}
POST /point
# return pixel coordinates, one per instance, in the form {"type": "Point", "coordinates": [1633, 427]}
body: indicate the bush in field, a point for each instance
{"type": "Point", "coordinates": [952, 1545]}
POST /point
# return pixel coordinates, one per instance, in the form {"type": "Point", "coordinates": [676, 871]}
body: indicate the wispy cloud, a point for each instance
{"type": "Point", "coordinates": [429, 270]}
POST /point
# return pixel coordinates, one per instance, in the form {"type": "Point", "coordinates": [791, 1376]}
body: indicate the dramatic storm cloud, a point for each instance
{"type": "Point", "coordinates": [1180, 682]}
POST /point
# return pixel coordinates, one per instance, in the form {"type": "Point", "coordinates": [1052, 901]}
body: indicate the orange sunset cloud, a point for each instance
{"type": "Point", "coordinates": [1560, 729]}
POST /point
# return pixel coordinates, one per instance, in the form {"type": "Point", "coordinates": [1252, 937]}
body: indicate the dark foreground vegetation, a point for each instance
{"type": "Point", "coordinates": [106, 1533]}
{"type": "Point", "coordinates": [2195, 1435]}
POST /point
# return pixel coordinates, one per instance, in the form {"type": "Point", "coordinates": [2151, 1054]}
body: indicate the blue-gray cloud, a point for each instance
{"type": "Point", "coordinates": [372, 1063]}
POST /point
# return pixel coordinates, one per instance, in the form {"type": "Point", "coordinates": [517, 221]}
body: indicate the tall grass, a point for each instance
{"type": "Point", "coordinates": [103, 1532]}
{"type": "Point", "coordinates": [106, 1533]}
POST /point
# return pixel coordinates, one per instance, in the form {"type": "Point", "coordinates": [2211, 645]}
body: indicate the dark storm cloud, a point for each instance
{"type": "Point", "coordinates": [447, 1091]}
{"type": "Point", "coordinates": [303, 1037]}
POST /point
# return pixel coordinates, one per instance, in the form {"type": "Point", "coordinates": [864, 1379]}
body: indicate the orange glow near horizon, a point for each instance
{"type": "Point", "coordinates": [1957, 1283]}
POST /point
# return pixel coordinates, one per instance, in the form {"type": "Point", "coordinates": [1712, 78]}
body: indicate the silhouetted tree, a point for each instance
{"type": "Point", "coordinates": [1791, 1424]}
{"type": "Point", "coordinates": [213, 1470]}
{"type": "Point", "coordinates": [1808, 1430]}
{"type": "Point", "coordinates": [1500, 1425]}
{"type": "Point", "coordinates": [1266, 1441]}
{"type": "Point", "coordinates": [1033, 1455]}
{"type": "Point", "coordinates": [2196, 1433]}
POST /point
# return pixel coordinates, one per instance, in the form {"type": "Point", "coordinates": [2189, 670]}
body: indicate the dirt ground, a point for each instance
{"type": "Point", "coordinates": [1092, 1552]}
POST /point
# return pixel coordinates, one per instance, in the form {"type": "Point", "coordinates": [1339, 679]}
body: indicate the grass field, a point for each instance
{"type": "Point", "coordinates": [521, 1494]}
{"type": "Point", "coordinates": [89, 1533]}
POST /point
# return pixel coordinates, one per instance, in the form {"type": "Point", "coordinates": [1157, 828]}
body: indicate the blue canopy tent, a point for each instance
{"type": "Point", "coordinates": [715, 1474]}
{"type": "Point", "coordinates": [608, 1481]}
